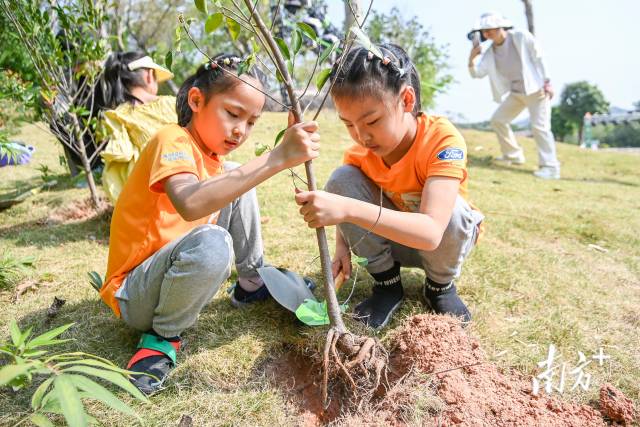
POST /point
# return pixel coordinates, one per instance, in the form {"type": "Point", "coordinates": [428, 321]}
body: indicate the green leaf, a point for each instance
{"type": "Point", "coordinates": [283, 48]}
{"type": "Point", "coordinates": [16, 334]}
{"type": "Point", "coordinates": [364, 40]}
{"type": "Point", "coordinates": [279, 76]}
{"type": "Point", "coordinates": [70, 403]}
{"type": "Point", "coordinates": [234, 28]}
{"type": "Point", "coordinates": [308, 30]}
{"type": "Point", "coordinates": [290, 68]}
{"type": "Point", "coordinates": [102, 394]}
{"type": "Point", "coordinates": [113, 377]}
{"type": "Point", "coordinates": [361, 261]}
{"type": "Point", "coordinates": [94, 363]}
{"type": "Point", "coordinates": [36, 399]}
{"type": "Point", "coordinates": [261, 148]}
{"type": "Point", "coordinates": [279, 136]}
{"type": "Point", "coordinates": [46, 338]}
{"type": "Point", "coordinates": [322, 78]}
{"type": "Point", "coordinates": [10, 372]}
{"type": "Point", "coordinates": [213, 22]}
{"type": "Point", "coordinates": [41, 420]}
{"type": "Point", "coordinates": [296, 41]}
{"type": "Point", "coordinates": [168, 61]}
{"type": "Point", "coordinates": [327, 51]}
{"type": "Point", "coordinates": [314, 313]}
{"type": "Point", "coordinates": [242, 68]}
{"type": "Point", "coordinates": [201, 5]}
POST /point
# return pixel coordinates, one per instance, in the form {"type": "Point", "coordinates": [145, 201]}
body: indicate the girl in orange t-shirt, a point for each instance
{"type": "Point", "coordinates": [399, 200]}
{"type": "Point", "coordinates": [184, 216]}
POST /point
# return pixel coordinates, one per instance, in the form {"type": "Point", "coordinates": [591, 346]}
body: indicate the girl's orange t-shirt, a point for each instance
{"type": "Point", "coordinates": [144, 219]}
{"type": "Point", "coordinates": [438, 150]}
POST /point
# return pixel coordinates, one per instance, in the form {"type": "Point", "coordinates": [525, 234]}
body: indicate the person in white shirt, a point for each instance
{"type": "Point", "coordinates": [513, 61]}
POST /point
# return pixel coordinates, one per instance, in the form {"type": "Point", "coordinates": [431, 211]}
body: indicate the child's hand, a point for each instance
{"type": "Point", "coordinates": [341, 262]}
{"type": "Point", "coordinates": [299, 144]}
{"type": "Point", "coordinates": [321, 209]}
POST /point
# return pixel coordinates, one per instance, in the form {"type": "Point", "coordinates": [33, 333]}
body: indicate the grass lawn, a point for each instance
{"type": "Point", "coordinates": [532, 281]}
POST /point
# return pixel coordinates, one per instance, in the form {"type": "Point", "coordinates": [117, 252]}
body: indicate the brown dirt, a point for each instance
{"type": "Point", "coordinates": [79, 210]}
{"type": "Point", "coordinates": [615, 405]}
{"type": "Point", "coordinates": [439, 375]}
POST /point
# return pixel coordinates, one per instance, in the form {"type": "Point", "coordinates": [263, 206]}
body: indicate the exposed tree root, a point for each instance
{"type": "Point", "coordinates": [354, 362]}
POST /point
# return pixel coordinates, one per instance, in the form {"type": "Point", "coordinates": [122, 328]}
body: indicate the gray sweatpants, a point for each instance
{"type": "Point", "coordinates": [169, 289]}
{"type": "Point", "coordinates": [441, 265]}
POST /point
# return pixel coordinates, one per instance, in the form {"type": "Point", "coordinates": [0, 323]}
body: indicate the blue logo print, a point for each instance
{"type": "Point", "coordinates": [451, 154]}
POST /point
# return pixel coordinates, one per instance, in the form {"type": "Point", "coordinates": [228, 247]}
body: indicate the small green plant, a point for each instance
{"type": "Point", "coordinates": [12, 268]}
{"type": "Point", "coordinates": [68, 377]}
{"type": "Point", "coordinates": [45, 173]}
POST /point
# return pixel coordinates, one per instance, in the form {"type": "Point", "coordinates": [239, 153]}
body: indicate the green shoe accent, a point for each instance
{"type": "Point", "coordinates": [154, 342]}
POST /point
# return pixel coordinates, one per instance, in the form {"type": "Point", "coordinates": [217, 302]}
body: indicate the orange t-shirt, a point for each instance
{"type": "Point", "coordinates": [438, 150]}
{"type": "Point", "coordinates": [144, 219]}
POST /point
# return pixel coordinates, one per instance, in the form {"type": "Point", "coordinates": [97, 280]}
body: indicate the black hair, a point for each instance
{"type": "Point", "coordinates": [365, 74]}
{"type": "Point", "coordinates": [118, 80]}
{"type": "Point", "coordinates": [211, 79]}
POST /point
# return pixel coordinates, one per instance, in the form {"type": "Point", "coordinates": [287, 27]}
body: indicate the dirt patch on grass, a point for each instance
{"type": "Point", "coordinates": [615, 405]}
{"type": "Point", "coordinates": [78, 210]}
{"type": "Point", "coordinates": [439, 375]}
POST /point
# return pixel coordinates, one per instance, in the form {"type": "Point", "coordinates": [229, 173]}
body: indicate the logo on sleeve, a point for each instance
{"type": "Point", "coordinates": [451, 153]}
{"type": "Point", "coordinates": [176, 156]}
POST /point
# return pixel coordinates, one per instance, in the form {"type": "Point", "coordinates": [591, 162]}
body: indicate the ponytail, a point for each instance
{"type": "Point", "coordinates": [118, 80]}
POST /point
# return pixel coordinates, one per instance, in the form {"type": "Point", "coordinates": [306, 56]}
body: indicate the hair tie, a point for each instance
{"type": "Point", "coordinates": [386, 60]}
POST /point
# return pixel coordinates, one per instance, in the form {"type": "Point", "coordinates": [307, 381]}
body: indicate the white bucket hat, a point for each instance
{"type": "Point", "coordinates": [162, 74]}
{"type": "Point", "coordinates": [488, 21]}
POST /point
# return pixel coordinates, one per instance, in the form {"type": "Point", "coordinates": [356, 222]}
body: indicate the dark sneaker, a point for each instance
{"type": "Point", "coordinates": [241, 298]}
{"type": "Point", "coordinates": [444, 299]}
{"type": "Point", "coordinates": [153, 361]}
{"type": "Point", "coordinates": [377, 310]}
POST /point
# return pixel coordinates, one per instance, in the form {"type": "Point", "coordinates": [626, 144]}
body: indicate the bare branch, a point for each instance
{"type": "Point", "coordinates": [186, 29]}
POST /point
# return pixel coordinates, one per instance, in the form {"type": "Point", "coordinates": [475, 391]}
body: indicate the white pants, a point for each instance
{"type": "Point", "coordinates": [539, 108]}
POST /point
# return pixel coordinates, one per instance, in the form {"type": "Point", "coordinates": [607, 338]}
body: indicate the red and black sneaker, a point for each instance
{"type": "Point", "coordinates": [151, 364]}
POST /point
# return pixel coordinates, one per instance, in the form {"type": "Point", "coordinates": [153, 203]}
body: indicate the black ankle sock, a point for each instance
{"type": "Point", "coordinates": [388, 278]}
{"type": "Point", "coordinates": [444, 299]}
{"type": "Point", "coordinates": [170, 339]}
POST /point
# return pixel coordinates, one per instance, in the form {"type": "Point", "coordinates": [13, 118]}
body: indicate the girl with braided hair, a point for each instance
{"type": "Point", "coordinates": [400, 199]}
{"type": "Point", "coordinates": [184, 215]}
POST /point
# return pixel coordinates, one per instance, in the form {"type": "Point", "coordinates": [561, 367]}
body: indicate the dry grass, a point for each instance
{"type": "Point", "coordinates": [532, 281]}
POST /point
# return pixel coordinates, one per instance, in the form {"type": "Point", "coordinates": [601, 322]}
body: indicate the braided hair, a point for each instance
{"type": "Point", "coordinates": [211, 79]}
{"type": "Point", "coordinates": [365, 74]}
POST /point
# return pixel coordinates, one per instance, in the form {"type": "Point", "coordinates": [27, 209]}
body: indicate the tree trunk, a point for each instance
{"type": "Point", "coordinates": [333, 307]}
{"type": "Point", "coordinates": [351, 8]}
{"type": "Point", "coordinates": [86, 165]}
{"type": "Point", "coordinates": [528, 11]}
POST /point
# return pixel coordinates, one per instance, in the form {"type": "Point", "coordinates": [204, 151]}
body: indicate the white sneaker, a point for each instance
{"type": "Point", "coordinates": [508, 160]}
{"type": "Point", "coordinates": [548, 172]}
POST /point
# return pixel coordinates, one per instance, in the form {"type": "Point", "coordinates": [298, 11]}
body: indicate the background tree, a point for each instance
{"type": "Point", "coordinates": [623, 135]}
{"type": "Point", "coordinates": [636, 105]}
{"type": "Point", "coordinates": [579, 98]}
{"type": "Point", "coordinates": [528, 11]}
{"type": "Point", "coordinates": [429, 58]}
{"type": "Point", "coordinates": [65, 46]}
{"type": "Point", "coordinates": [560, 126]}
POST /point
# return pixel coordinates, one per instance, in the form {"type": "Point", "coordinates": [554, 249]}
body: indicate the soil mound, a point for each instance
{"type": "Point", "coordinates": [439, 375]}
